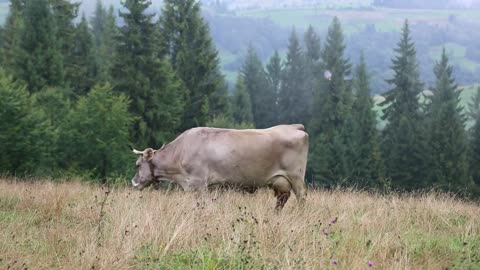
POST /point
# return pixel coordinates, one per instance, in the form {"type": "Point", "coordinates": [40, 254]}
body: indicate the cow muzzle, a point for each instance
{"type": "Point", "coordinates": [135, 184]}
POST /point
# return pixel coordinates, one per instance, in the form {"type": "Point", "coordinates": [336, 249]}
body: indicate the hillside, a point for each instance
{"type": "Point", "coordinates": [375, 31]}
{"type": "Point", "coordinates": [368, 28]}
{"type": "Point", "coordinates": [77, 226]}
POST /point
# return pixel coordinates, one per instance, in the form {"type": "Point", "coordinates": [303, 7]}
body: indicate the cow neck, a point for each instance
{"type": "Point", "coordinates": [164, 157]}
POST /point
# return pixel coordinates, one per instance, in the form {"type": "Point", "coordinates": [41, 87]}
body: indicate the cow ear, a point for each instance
{"type": "Point", "coordinates": [148, 154]}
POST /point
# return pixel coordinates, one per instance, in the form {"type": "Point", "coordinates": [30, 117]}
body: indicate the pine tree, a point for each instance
{"type": "Point", "coordinates": [274, 70]}
{"type": "Point", "coordinates": [98, 21]}
{"type": "Point", "coordinates": [105, 43]}
{"type": "Point", "coordinates": [404, 139]}
{"type": "Point", "coordinates": [312, 60]}
{"type": "Point", "coordinates": [474, 111]}
{"type": "Point", "coordinates": [39, 61]}
{"type": "Point", "coordinates": [186, 40]}
{"type": "Point", "coordinates": [83, 59]}
{"type": "Point", "coordinates": [22, 129]}
{"type": "Point", "coordinates": [447, 140]}
{"type": "Point", "coordinates": [262, 97]}
{"type": "Point", "coordinates": [65, 12]}
{"type": "Point", "coordinates": [294, 99]}
{"type": "Point", "coordinates": [157, 94]}
{"type": "Point", "coordinates": [241, 103]}
{"type": "Point", "coordinates": [368, 168]}
{"type": "Point", "coordinates": [331, 121]}
{"type": "Point", "coordinates": [11, 35]}
{"type": "Point", "coordinates": [54, 105]}
{"type": "Point", "coordinates": [96, 133]}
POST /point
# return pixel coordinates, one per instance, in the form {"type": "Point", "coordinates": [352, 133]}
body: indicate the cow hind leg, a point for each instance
{"type": "Point", "coordinates": [282, 187]}
{"type": "Point", "coordinates": [299, 188]}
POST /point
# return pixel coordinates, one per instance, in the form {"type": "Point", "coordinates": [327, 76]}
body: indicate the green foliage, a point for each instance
{"type": "Point", "coordinates": [274, 69]}
{"type": "Point", "coordinates": [447, 137]}
{"type": "Point", "coordinates": [98, 22]}
{"type": "Point", "coordinates": [39, 61]}
{"type": "Point", "coordinates": [294, 99]}
{"type": "Point", "coordinates": [331, 124]}
{"type": "Point", "coordinates": [475, 141]}
{"type": "Point", "coordinates": [149, 257]}
{"type": "Point", "coordinates": [54, 105]}
{"type": "Point", "coordinates": [104, 33]}
{"type": "Point", "coordinates": [312, 62]}
{"type": "Point", "coordinates": [157, 95]}
{"type": "Point", "coordinates": [64, 13]}
{"type": "Point", "coordinates": [367, 163]}
{"type": "Point", "coordinates": [83, 59]}
{"type": "Point", "coordinates": [95, 134]}
{"type": "Point", "coordinates": [22, 129]}
{"type": "Point", "coordinates": [186, 40]}
{"type": "Point", "coordinates": [262, 96]}
{"type": "Point", "coordinates": [241, 103]}
{"type": "Point", "coordinates": [11, 35]}
{"type": "Point", "coordinates": [404, 138]}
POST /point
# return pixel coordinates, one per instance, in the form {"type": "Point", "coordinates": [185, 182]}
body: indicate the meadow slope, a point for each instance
{"type": "Point", "coordinates": [47, 225]}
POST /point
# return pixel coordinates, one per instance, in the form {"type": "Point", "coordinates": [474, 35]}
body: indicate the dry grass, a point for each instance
{"type": "Point", "coordinates": [48, 225]}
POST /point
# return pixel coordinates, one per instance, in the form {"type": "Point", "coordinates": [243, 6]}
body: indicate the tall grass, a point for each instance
{"type": "Point", "coordinates": [47, 225]}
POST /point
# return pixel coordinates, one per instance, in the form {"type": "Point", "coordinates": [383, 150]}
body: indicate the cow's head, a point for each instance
{"type": "Point", "coordinates": [144, 168]}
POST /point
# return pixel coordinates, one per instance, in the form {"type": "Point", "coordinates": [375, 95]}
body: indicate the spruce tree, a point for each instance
{"type": "Point", "coordinates": [186, 40]}
{"type": "Point", "coordinates": [39, 61]}
{"type": "Point", "coordinates": [262, 97]}
{"type": "Point", "coordinates": [65, 12]}
{"type": "Point", "coordinates": [312, 60]}
{"type": "Point", "coordinates": [104, 36]}
{"type": "Point", "coordinates": [294, 99]}
{"type": "Point", "coordinates": [83, 59]}
{"type": "Point", "coordinates": [274, 69]}
{"type": "Point", "coordinates": [474, 110]}
{"type": "Point", "coordinates": [447, 138]}
{"type": "Point", "coordinates": [368, 168]}
{"type": "Point", "coordinates": [157, 94]}
{"type": "Point", "coordinates": [404, 139]}
{"type": "Point", "coordinates": [22, 129]}
{"type": "Point", "coordinates": [241, 103]}
{"type": "Point", "coordinates": [96, 133]}
{"type": "Point", "coordinates": [98, 21]}
{"type": "Point", "coordinates": [11, 35]}
{"type": "Point", "coordinates": [331, 121]}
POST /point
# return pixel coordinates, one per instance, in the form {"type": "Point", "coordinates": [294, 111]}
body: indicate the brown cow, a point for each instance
{"type": "Point", "coordinates": [203, 157]}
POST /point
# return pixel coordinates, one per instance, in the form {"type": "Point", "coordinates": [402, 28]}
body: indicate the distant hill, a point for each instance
{"type": "Point", "coordinates": [279, 4]}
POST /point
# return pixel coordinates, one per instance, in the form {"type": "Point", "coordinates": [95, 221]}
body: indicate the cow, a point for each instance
{"type": "Point", "coordinates": [202, 157]}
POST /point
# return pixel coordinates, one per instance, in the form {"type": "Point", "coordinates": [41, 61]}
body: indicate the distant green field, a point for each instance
{"type": "Point", "coordinates": [385, 19]}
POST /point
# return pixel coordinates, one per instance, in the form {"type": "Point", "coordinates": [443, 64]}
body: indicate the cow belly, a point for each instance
{"type": "Point", "coordinates": [243, 173]}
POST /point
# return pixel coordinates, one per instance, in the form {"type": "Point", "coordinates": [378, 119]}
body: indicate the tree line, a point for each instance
{"type": "Point", "coordinates": [73, 96]}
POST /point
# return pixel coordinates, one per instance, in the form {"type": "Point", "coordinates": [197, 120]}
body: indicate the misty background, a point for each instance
{"type": "Point", "coordinates": [371, 26]}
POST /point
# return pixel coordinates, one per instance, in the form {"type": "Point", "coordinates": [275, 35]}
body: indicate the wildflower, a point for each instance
{"type": "Point", "coordinates": [334, 221]}
{"type": "Point", "coordinates": [370, 264]}
{"type": "Point", "coordinates": [325, 231]}
{"type": "Point", "coordinates": [334, 262]}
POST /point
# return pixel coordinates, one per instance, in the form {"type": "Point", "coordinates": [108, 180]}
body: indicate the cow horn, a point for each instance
{"type": "Point", "coordinates": [163, 146]}
{"type": "Point", "coordinates": [136, 152]}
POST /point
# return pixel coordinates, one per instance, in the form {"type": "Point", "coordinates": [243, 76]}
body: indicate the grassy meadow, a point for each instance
{"type": "Point", "coordinates": [48, 225]}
